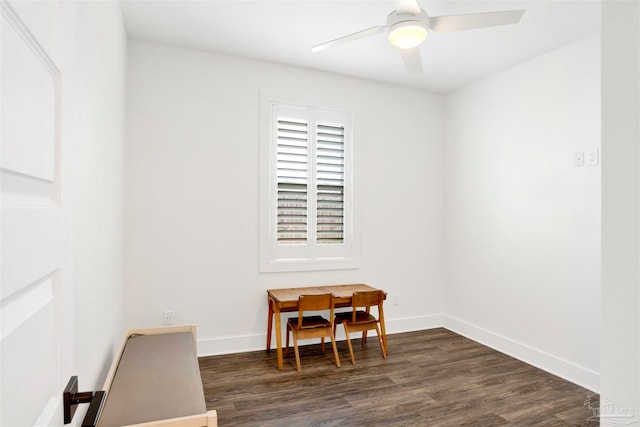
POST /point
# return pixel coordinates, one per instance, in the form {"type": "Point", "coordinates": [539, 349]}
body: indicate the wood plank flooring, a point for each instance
{"type": "Point", "coordinates": [431, 378]}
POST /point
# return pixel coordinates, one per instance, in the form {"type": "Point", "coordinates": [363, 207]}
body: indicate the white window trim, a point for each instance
{"type": "Point", "coordinates": [269, 260]}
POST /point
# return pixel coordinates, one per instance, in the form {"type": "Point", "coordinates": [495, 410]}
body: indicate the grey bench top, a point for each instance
{"type": "Point", "coordinates": [157, 378]}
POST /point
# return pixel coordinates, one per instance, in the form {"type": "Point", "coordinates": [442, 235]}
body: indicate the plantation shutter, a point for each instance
{"type": "Point", "coordinates": [292, 176]}
{"type": "Point", "coordinates": [310, 147]}
{"type": "Point", "coordinates": [306, 188]}
{"type": "Point", "coordinates": [330, 183]}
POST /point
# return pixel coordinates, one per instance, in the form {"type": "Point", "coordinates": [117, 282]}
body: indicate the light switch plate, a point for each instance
{"type": "Point", "coordinates": [579, 159]}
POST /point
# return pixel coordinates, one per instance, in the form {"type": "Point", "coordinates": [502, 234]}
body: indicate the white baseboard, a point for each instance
{"type": "Point", "coordinates": [562, 368]}
{"type": "Point", "coordinates": [255, 342]}
{"type": "Point", "coordinates": [229, 345]}
{"type": "Point", "coordinates": [53, 413]}
{"type": "Point", "coordinates": [419, 323]}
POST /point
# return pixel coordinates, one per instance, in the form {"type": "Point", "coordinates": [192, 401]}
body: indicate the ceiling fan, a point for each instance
{"type": "Point", "coordinates": [408, 24]}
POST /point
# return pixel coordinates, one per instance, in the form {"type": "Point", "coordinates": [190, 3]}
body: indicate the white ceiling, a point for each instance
{"type": "Point", "coordinates": [284, 31]}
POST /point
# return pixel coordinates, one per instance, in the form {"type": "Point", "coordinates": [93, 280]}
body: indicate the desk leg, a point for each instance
{"type": "Point", "coordinates": [269, 325]}
{"type": "Point", "coordinates": [279, 338]}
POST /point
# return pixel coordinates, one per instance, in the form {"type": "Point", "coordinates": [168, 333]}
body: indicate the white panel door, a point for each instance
{"type": "Point", "coordinates": [35, 286]}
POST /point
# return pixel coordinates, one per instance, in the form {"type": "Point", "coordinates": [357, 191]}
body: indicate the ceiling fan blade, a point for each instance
{"type": "Point", "coordinates": [351, 37]}
{"type": "Point", "coordinates": [474, 20]}
{"type": "Point", "coordinates": [412, 60]}
{"type": "Point", "coordinates": [407, 6]}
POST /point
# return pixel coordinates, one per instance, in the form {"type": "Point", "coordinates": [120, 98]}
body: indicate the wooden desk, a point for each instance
{"type": "Point", "coordinates": [286, 300]}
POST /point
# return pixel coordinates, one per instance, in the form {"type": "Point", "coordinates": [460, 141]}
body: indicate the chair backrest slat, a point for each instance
{"type": "Point", "coordinates": [367, 299]}
{"type": "Point", "coordinates": [314, 303]}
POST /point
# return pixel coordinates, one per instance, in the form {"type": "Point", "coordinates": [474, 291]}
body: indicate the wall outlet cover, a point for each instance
{"type": "Point", "coordinates": [592, 157]}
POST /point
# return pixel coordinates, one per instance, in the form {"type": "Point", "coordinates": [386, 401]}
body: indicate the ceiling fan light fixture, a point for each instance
{"type": "Point", "coordinates": [407, 34]}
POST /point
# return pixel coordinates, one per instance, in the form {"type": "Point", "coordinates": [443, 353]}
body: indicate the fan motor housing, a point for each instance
{"type": "Point", "coordinates": [395, 18]}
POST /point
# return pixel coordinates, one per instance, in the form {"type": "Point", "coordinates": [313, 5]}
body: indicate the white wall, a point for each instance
{"type": "Point", "coordinates": [98, 194]}
{"type": "Point", "coordinates": [620, 349]}
{"type": "Point", "coordinates": [522, 227]}
{"type": "Point", "coordinates": [192, 193]}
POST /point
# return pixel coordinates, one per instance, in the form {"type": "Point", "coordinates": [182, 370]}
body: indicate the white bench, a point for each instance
{"type": "Point", "coordinates": [155, 381]}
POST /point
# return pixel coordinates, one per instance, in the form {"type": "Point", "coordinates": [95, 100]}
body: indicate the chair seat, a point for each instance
{"type": "Point", "coordinates": [309, 322]}
{"type": "Point", "coordinates": [361, 317]}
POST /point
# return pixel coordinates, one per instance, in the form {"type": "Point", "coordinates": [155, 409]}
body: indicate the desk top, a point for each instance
{"type": "Point", "coordinates": [346, 291]}
{"type": "Point", "coordinates": [288, 296]}
{"type": "Point", "coordinates": [292, 294]}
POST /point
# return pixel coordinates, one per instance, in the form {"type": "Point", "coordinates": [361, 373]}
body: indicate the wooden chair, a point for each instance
{"type": "Point", "coordinates": [303, 327]}
{"type": "Point", "coordinates": [362, 320]}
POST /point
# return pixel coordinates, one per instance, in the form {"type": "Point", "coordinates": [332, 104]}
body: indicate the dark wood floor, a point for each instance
{"type": "Point", "coordinates": [431, 378]}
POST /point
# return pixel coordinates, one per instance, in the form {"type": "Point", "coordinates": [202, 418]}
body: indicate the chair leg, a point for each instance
{"type": "Point", "coordinates": [346, 332]}
{"type": "Point", "coordinates": [364, 337]}
{"type": "Point", "coordinates": [335, 350]}
{"type": "Point", "coordinates": [286, 353]}
{"type": "Point", "coordinates": [381, 342]}
{"type": "Point", "coordinates": [295, 348]}
{"type": "Point", "coordinates": [322, 344]}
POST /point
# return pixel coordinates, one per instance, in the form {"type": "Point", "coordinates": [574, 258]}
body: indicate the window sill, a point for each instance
{"type": "Point", "coordinates": [322, 264]}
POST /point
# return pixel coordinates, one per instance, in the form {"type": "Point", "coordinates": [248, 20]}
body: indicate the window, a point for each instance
{"type": "Point", "coordinates": [306, 188]}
